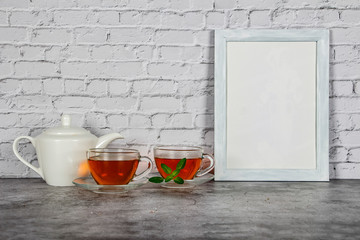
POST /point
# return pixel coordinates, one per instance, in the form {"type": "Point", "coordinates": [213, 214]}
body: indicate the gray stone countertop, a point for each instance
{"type": "Point", "coordinates": [30, 209]}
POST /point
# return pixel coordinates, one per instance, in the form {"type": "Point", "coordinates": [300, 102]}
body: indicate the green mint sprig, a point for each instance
{"type": "Point", "coordinates": [172, 173]}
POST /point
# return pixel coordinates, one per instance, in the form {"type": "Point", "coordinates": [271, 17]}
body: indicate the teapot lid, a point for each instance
{"type": "Point", "coordinates": [65, 128]}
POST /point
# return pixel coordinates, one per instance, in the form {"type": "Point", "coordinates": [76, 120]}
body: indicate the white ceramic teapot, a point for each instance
{"type": "Point", "coordinates": [61, 151]}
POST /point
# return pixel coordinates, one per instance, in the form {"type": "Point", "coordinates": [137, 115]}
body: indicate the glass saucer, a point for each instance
{"type": "Point", "coordinates": [89, 183]}
{"type": "Point", "coordinates": [187, 183]}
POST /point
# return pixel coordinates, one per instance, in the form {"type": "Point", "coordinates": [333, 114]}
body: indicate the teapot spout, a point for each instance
{"type": "Point", "coordinates": [103, 141]}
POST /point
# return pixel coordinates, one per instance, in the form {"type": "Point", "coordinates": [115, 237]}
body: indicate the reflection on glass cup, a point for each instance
{"type": "Point", "coordinates": [116, 166]}
{"type": "Point", "coordinates": [171, 155]}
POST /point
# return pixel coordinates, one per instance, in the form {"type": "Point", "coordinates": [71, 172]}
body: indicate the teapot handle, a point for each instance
{"type": "Point", "coordinates": [15, 145]}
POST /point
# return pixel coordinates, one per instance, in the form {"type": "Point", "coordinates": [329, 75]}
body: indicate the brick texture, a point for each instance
{"type": "Point", "coordinates": [145, 69]}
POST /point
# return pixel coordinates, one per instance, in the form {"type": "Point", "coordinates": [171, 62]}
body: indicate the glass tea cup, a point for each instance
{"type": "Point", "coordinates": [171, 155]}
{"type": "Point", "coordinates": [116, 166]}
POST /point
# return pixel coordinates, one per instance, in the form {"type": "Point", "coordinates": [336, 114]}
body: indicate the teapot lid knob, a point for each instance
{"type": "Point", "coordinates": [65, 120]}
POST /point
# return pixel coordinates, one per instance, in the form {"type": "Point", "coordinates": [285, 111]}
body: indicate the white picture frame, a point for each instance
{"type": "Point", "coordinates": [272, 105]}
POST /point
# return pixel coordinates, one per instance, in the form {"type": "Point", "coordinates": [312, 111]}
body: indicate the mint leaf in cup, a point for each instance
{"type": "Point", "coordinates": [181, 164]}
{"type": "Point", "coordinates": [174, 173]}
{"type": "Point", "coordinates": [166, 169]}
{"type": "Point", "coordinates": [156, 180]}
{"type": "Point", "coordinates": [168, 178]}
{"type": "Point", "coordinates": [179, 180]}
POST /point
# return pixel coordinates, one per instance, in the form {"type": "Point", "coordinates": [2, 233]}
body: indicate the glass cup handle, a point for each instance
{"type": "Point", "coordinates": [208, 169]}
{"type": "Point", "coordinates": [147, 171]}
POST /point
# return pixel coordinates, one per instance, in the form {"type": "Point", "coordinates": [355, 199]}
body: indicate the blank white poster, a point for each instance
{"type": "Point", "coordinates": [271, 105]}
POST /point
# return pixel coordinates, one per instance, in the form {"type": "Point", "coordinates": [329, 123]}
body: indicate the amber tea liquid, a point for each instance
{"type": "Point", "coordinates": [188, 172]}
{"type": "Point", "coordinates": [112, 172]}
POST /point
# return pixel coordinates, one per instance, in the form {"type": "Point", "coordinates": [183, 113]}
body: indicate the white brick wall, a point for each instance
{"type": "Point", "coordinates": [144, 68]}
